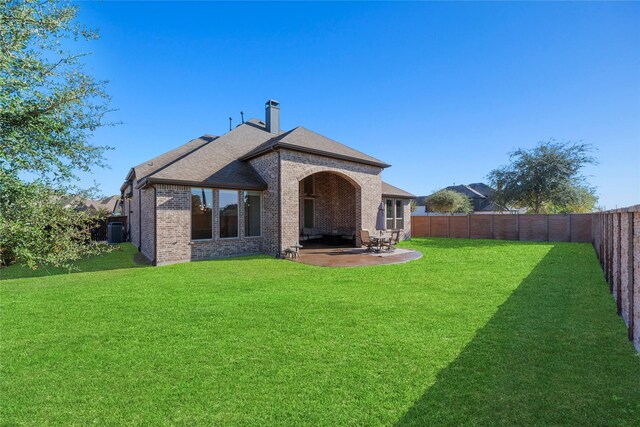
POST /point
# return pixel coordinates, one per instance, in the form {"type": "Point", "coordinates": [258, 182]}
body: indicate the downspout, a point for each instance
{"type": "Point", "coordinates": [139, 219]}
{"type": "Point", "coordinates": [155, 227]}
{"type": "Point", "coordinates": [279, 205]}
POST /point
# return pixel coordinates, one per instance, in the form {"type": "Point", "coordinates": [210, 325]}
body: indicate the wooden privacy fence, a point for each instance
{"type": "Point", "coordinates": [616, 239]}
{"type": "Point", "coordinates": [99, 233]}
{"type": "Point", "coordinates": [544, 228]}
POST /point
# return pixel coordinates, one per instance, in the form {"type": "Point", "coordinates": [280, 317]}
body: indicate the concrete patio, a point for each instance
{"type": "Point", "coordinates": [353, 257]}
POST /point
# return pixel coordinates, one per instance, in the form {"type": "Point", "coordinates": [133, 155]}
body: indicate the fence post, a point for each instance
{"type": "Point", "coordinates": [449, 226]}
{"type": "Point", "coordinates": [618, 264]}
{"type": "Point", "coordinates": [493, 236]}
{"type": "Point", "coordinates": [630, 274]}
{"type": "Point", "coordinates": [571, 230]}
{"type": "Point", "coordinates": [610, 255]}
{"type": "Point", "coordinates": [547, 228]}
{"type": "Point", "coordinates": [468, 226]}
{"type": "Point", "coordinates": [430, 233]}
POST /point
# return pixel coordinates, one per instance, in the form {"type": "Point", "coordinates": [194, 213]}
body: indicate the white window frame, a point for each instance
{"type": "Point", "coordinates": [395, 213]}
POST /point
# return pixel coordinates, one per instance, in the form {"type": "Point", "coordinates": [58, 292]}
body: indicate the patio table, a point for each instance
{"type": "Point", "coordinates": [378, 241]}
{"type": "Point", "coordinates": [297, 248]}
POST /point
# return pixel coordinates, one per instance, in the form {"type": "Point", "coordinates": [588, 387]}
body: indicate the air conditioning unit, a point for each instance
{"type": "Point", "coordinates": [115, 233]}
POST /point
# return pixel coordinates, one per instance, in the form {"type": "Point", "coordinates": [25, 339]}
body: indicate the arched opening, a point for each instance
{"type": "Point", "coordinates": [329, 213]}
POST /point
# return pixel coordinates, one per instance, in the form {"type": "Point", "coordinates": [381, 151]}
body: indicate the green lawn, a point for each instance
{"type": "Point", "coordinates": [475, 332]}
{"type": "Point", "coordinates": [122, 256]}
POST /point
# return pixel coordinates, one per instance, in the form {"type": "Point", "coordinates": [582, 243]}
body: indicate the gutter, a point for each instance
{"type": "Point", "coordinates": [139, 220]}
{"type": "Point", "coordinates": [279, 205]}
{"type": "Point", "coordinates": [154, 262]}
{"type": "Point", "coordinates": [144, 183]}
{"type": "Point", "coordinates": [394, 196]}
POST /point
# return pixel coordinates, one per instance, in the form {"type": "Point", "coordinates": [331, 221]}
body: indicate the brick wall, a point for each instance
{"type": "Point", "coordinates": [335, 206]}
{"type": "Point", "coordinates": [296, 166]}
{"type": "Point", "coordinates": [133, 216]}
{"type": "Point", "coordinates": [173, 212]}
{"type": "Point", "coordinates": [148, 223]}
{"type": "Point", "coordinates": [406, 232]}
{"type": "Point", "coordinates": [268, 167]}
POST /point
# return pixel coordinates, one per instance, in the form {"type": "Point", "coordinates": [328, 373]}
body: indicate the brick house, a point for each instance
{"type": "Point", "coordinates": [254, 190]}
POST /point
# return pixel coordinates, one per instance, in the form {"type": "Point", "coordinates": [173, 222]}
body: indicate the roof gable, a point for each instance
{"type": "Point", "coordinates": [222, 161]}
{"type": "Point", "coordinates": [392, 191]}
{"type": "Point", "coordinates": [302, 139]}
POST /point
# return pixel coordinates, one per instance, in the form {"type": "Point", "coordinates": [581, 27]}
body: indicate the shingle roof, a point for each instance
{"type": "Point", "coordinates": [302, 139]}
{"type": "Point", "coordinates": [216, 163]}
{"type": "Point", "coordinates": [391, 191]}
{"type": "Point", "coordinates": [482, 188]}
{"type": "Point", "coordinates": [150, 166]}
{"type": "Point", "coordinates": [222, 161]}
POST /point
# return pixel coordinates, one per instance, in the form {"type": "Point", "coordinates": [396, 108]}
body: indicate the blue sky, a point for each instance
{"type": "Point", "coordinates": [442, 91]}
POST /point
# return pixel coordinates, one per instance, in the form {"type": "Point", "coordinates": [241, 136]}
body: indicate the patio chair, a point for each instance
{"type": "Point", "coordinates": [390, 244]}
{"type": "Point", "coordinates": [309, 234]}
{"type": "Point", "coordinates": [365, 240]}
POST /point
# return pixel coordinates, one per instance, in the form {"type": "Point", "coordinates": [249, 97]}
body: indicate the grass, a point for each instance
{"type": "Point", "coordinates": [476, 332]}
{"type": "Point", "coordinates": [122, 256]}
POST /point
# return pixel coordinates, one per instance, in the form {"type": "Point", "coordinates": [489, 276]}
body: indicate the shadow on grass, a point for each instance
{"type": "Point", "coordinates": [124, 255]}
{"type": "Point", "coordinates": [554, 353]}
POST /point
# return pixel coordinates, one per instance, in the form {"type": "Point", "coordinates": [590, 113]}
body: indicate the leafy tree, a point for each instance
{"type": "Point", "coordinates": [49, 107]}
{"type": "Point", "coordinates": [546, 178]}
{"type": "Point", "coordinates": [448, 201]}
{"type": "Point", "coordinates": [41, 226]}
{"type": "Point", "coordinates": [584, 202]}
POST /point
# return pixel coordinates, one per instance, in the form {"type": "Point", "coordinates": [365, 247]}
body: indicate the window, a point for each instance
{"type": "Point", "coordinates": [390, 214]}
{"type": "Point", "coordinates": [399, 215]}
{"type": "Point", "coordinates": [228, 214]}
{"type": "Point", "coordinates": [307, 186]}
{"type": "Point", "coordinates": [201, 213]}
{"type": "Point", "coordinates": [252, 213]}
{"type": "Point", "coordinates": [395, 214]}
{"type": "Point", "coordinates": [308, 213]}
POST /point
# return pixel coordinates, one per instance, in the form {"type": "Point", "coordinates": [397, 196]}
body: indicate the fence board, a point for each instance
{"type": "Point", "coordinates": [616, 240]}
{"type": "Point", "coordinates": [559, 230]}
{"type": "Point", "coordinates": [505, 227]}
{"type": "Point", "coordinates": [533, 227]}
{"type": "Point", "coordinates": [458, 226]}
{"type": "Point", "coordinates": [581, 228]}
{"type": "Point", "coordinates": [480, 227]}
{"type": "Point", "coordinates": [439, 226]}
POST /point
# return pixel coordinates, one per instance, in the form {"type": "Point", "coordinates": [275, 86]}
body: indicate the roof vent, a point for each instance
{"type": "Point", "coordinates": [272, 115]}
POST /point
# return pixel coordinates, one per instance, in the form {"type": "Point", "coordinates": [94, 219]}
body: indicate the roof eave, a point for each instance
{"type": "Point", "coordinates": [150, 181]}
{"type": "Point", "coordinates": [400, 196]}
{"type": "Point", "coordinates": [125, 185]}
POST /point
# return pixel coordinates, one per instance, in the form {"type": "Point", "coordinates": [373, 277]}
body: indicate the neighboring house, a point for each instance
{"type": "Point", "coordinates": [479, 194]}
{"type": "Point", "coordinates": [254, 190]}
{"type": "Point", "coordinates": [111, 204]}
